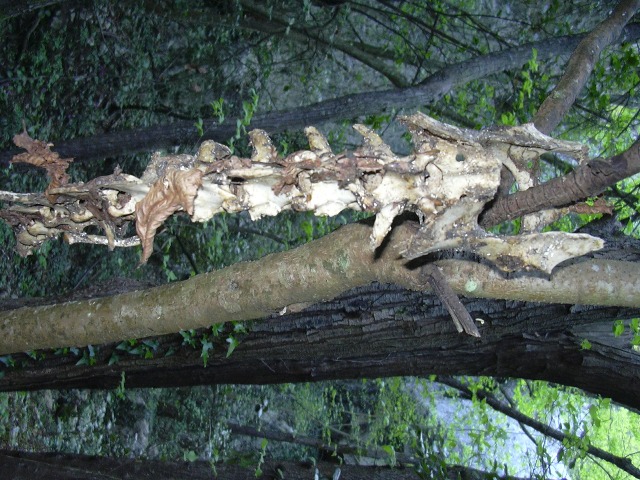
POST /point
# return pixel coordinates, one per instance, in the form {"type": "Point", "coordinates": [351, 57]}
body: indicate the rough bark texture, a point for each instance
{"type": "Point", "coordinates": [588, 180]}
{"type": "Point", "coordinates": [376, 331]}
{"type": "Point", "coordinates": [58, 466]}
{"type": "Point", "coordinates": [350, 106]}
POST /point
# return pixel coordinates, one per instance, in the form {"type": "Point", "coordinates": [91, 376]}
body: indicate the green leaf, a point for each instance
{"type": "Point", "coordinates": [190, 456]}
{"type": "Point", "coordinates": [199, 126]}
{"type": "Point", "coordinates": [216, 329]}
{"type": "Point", "coordinates": [618, 328]}
{"type": "Point", "coordinates": [206, 346]}
{"type": "Point", "coordinates": [594, 414]}
{"type": "Point", "coordinates": [585, 344]}
{"type": "Point", "coordinates": [233, 343]}
{"type": "Point", "coordinates": [239, 327]}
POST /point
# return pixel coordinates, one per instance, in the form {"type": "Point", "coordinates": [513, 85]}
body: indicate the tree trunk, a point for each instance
{"type": "Point", "coordinates": [377, 331]}
{"type": "Point", "coordinates": [56, 466]}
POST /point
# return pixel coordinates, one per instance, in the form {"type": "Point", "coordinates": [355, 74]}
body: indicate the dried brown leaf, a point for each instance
{"type": "Point", "coordinates": [176, 190]}
{"type": "Point", "coordinates": [40, 155]}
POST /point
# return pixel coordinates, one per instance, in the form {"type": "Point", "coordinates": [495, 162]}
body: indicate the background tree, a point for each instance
{"type": "Point", "coordinates": [459, 47]}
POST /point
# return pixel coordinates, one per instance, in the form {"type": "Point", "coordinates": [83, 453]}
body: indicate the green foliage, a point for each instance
{"type": "Point", "coordinates": [120, 389]}
{"type": "Point", "coordinates": [88, 357]}
{"type": "Point", "coordinates": [199, 126]}
{"type": "Point", "coordinates": [377, 122]}
{"type": "Point", "coordinates": [618, 328]}
{"type": "Point", "coordinates": [585, 344]}
{"type": "Point", "coordinates": [218, 109]}
{"type": "Point", "coordinates": [140, 348]}
{"type": "Point", "coordinates": [114, 66]}
{"type": "Point", "coordinates": [190, 456]}
{"type": "Point", "coordinates": [263, 452]}
{"type": "Point", "coordinates": [593, 422]}
{"type": "Point", "coordinates": [207, 342]}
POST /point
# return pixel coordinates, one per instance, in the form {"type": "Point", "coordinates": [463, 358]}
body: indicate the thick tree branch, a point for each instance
{"type": "Point", "coordinates": [622, 463]}
{"type": "Point", "coordinates": [372, 331]}
{"type": "Point", "coordinates": [315, 272]}
{"type": "Point", "coordinates": [349, 106]}
{"type": "Point", "coordinates": [452, 174]}
{"type": "Point", "coordinates": [588, 180]}
{"type": "Point", "coordinates": [580, 66]}
{"type": "Point", "coordinates": [18, 465]}
{"type": "Point", "coordinates": [403, 460]}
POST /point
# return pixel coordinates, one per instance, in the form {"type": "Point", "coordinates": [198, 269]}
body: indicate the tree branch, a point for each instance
{"type": "Point", "coordinates": [18, 465]}
{"type": "Point", "coordinates": [337, 448]}
{"type": "Point", "coordinates": [580, 66]}
{"type": "Point", "coordinates": [270, 23]}
{"type": "Point", "coordinates": [314, 272]}
{"type": "Point", "coordinates": [588, 180]}
{"type": "Point", "coordinates": [349, 106]}
{"type": "Point", "coordinates": [622, 463]}
{"type": "Point", "coordinates": [402, 459]}
{"type": "Point", "coordinates": [459, 314]}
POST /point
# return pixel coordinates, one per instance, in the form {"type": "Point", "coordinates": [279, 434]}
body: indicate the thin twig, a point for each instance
{"type": "Point", "coordinates": [459, 314]}
{"type": "Point", "coordinates": [623, 463]}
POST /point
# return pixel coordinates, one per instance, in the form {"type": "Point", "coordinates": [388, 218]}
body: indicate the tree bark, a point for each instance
{"type": "Point", "coordinates": [587, 180]}
{"type": "Point", "coordinates": [377, 331]}
{"type": "Point", "coordinates": [430, 90]}
{"type": "Point", "coordinates": [59, 466]}
{"type": "Point", "coordinates": [315, 272]}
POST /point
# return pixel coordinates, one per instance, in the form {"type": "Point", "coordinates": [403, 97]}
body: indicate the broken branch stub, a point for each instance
{"type": "Point", "coordinates": [447, 181]}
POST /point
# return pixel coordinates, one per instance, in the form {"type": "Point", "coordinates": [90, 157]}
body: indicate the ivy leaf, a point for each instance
{"type": "Point", "coordinates": [233, 343]}
{"type": "Point", "coordinates": [389, 450]}
{"type": "Point", "coordinates": [585, 344]}
{"type": "Point", "coordinates": [190, 456]}
{"type": "Point", "coordinates": [618, 328]}
{"type": "Point", "coordinates": [206, 346]}
{"type": "Point", "coordinates": [593, 413]}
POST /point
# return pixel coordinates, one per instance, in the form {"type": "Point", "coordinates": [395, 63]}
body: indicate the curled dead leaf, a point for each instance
{"type": "Point", "coordinates": [176, 190]}
{"type": "Point", "coordinates": [40, 155]}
